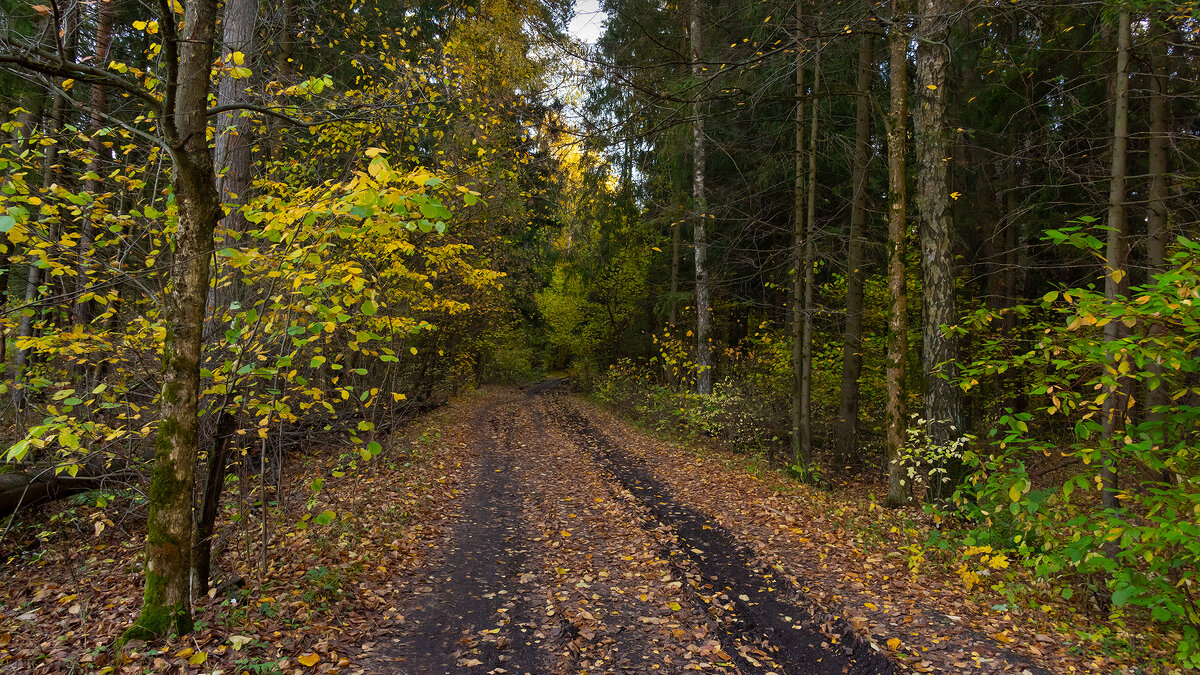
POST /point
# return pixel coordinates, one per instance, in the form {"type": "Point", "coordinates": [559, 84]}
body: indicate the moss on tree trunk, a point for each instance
{"type": "Point", "coordinates": [166, 602]}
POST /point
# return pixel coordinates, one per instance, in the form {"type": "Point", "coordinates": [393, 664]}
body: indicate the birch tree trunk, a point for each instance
{"type": "Point", "coordinates": [704, 375]}
{"type": "Point", "coordinates": [896, 411]}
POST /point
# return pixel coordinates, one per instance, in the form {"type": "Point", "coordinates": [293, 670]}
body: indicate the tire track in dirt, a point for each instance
{"type": "Point", "coordinates": [761, 614]}
{"type": "Point", "coordinates": [469, 617]}
{"type": "Point", "coordinates": [612, 598]}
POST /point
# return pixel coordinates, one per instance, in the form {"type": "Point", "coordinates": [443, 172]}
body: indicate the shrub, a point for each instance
{"type": "Point", "coordinates": [1147, 549]}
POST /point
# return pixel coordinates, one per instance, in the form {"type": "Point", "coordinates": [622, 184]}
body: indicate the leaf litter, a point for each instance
{"type": "Point", "coordinates": [514, 533]}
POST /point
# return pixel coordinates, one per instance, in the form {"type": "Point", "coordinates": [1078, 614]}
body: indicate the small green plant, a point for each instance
{"type": "Point", "coordinates": [931, 466]}
{"type": "Point", "coordinates": [258, 666]}
{"type": "Point", "coordinates": [809, 474]}
{"type": "Point", "coordinates": [324, 586]}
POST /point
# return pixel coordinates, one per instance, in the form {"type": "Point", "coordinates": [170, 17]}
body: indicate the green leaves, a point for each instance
{"type": "Point", "coordinates": [1071, 375]}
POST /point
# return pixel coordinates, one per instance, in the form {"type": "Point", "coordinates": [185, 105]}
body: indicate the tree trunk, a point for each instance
{"type": "Point", "coordinates": [166, 602]}
{"type": "Point", "coordinates": [1156, 214]}
{"type": "Point", "coordinates": [943, 406]}
{"type": "Point", "coordinates": [34, 273]}
{"type": "Point", "coordinates": [809, 257]}
{"type": "Point", "coordinates": [847, 429]}
{"type": "Point", "coordinates": [233, 142]}
{"type": "Point", "coordinates": [214, 483]}
{"type": "Point", "coordinates": [896, 412]}
{"type": "Point", "coordinates": [231, 161]}
{"type": "Point", "coordinates": [673, 306]}
{"type": "Point", "coordinates": [704, 375]}
{"type": "Point", "coordinates": [22, 490]}
{"type": "Point", "coordinates": [94, 185]}
{"type": "Point", "coordinates": [1116, 279]}
{"type": "Point", "coordinates": [284, 71]}
{"type": "Point", "coordinates": [800, 454]}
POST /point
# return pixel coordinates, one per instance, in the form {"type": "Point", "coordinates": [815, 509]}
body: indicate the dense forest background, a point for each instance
{"type": "Point", "coordinates": [944, 249]}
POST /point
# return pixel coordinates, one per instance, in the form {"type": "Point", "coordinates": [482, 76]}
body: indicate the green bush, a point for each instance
{"type": "Point", "coordinates": [1148, 548]}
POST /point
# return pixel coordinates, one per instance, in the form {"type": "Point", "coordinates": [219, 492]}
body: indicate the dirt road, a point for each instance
{"type": "Point", "coordinates": [568, 554]}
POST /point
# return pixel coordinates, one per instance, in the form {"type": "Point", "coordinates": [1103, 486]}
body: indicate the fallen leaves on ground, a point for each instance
{"type": "Point", "coordinates": [926, 619]}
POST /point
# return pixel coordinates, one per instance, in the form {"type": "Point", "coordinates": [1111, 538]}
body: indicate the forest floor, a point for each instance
{"type": "Point", "coordinates": [523, 532]}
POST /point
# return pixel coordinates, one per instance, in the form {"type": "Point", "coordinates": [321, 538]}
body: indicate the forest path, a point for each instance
{"type": "Point", "coordinates": [568, 553]}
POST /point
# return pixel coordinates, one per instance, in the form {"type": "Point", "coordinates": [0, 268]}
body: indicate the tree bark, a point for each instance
{"type": "Point", "coordinates": [20, 491]}
{"type": "Point", "coordinates": [846, 437]}
{"type": "Point", "coordinates": [231, 154]}
{"type": "Point", "coordinates": [896, 412]}
{"type": "Point", "coordinates": [94, 185]}
{"type": "Point", "coordinates": [231, 159]}
{"type": "Point", "coordinates": [800, 454]}
{"type": "Point", "coordinates": [809, 258]}
{"type": "Point", "coordinates": [34, 273]}
{"type": "Point", "coordinates": [943, 405]}
{"type": "Point", "coordinates": [704, 375]}
{"type": "Point", "coordinates": [1116, 280]}
{"type": "Point", "coordinates": [1156, 214]}
{"type": "Point", "coordinates": [166, 602]}
{"type": "Point", "coordinates": [673, 306]}
{"type": "Point", "coordinates": [214, 483]}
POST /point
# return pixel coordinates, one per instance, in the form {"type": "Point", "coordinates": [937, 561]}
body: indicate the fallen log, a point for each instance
{"type": "Point", "coordinates": [25, 489]}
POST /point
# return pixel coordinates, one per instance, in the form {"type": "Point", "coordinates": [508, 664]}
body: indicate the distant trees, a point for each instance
{"type": "Point", "coordinates": [1005, 143]}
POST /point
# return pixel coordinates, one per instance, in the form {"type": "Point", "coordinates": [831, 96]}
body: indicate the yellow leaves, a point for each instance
{"type": "Point", "coordinates": [955, 195]}
{"type": "Point", "coordinates": [150, 27]}
{"type": "Point", "coordinates": [871, 606]}
{"type": "Point", "coordinates": [894, 644]}
{"type": "Point", "coordinates": [422, 177]}
{"type": "Point", "coordinates": [931, 86]}
{"type": "Point", "coordinates": [968, 577]}
{"type": "Point", "coordinates": [67, 84]}
{"type": "Point", "coordinates": [998, 561]}
{"type": "Point", "coordinates": [308, 660]}
{"type": "Point", "coordinates": [1016, 490]}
